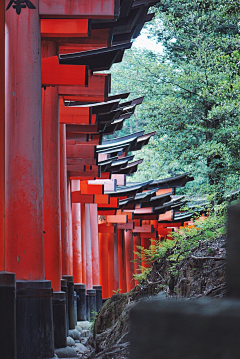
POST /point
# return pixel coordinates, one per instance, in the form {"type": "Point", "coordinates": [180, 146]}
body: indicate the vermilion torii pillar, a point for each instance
{"type": "Point", "coordinates": [77, 237]}
{"type": "Point", "coordinates": [2, 136]}
{"type": "Point", "coordinates": [51, 177]}
{"type": "Point", "coordinates": [24, 181]}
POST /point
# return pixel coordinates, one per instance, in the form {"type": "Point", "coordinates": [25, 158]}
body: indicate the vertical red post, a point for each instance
{"type": "Point", "coordinates": [83, 234]}
{"type": "Point", "coordinates": [145, 243]}
{"type": "Point", "coordinates": [24, 176]}
{"type": "Point", "coordinates": [110, 264]}
{"type": "Point", "coordinates": [69, 224]}
{"type": "Point", "coordinates": [64, 202]}
{"type": "Point", "coordinates": [88, 246]}
{"type": "Point", "coordinates": [94, 243]}
{"type": "Point", "coordinates": [2, 136]}
{"type": "Point", "coordinates": [103, 263]}
{"type": "Point", "coordinates": [136, 243]}
{"type": "Point", "coordinates": [115, 261]}
{"type": "Point", "coordinates": [121, 262]}
{"type": "Point", "coordinates": [129, 259]}
{"type": "Point", "coordinates": [77, 237]}
{"type": "Point", "coordinates": [51, 177]}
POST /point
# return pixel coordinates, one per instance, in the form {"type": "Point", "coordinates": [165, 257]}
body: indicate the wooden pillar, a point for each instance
{"type": "Point", "coordinates": [121, 261]}
{"type": "Point", "coordinates": [2, 136]}
{"type": "Point", "coordinates": [51, 177]}
{"type": "Point", "coordinates": [129, 258]}
{"type": "Point", "coordinates": [94, 243]}
{"type": "Point", "coordinates": [77, 237]}
{"type": "Point", "coordinates": [83, 233]}
{"type": "Point", "coordinates": [110, 264]}
{"type": "Point", "coordinates": [103, 263]}
{"type": "Point", "coordinates": [69, 224]}
{"type": "Point", "coordinates": [115, 261]}
{"type": "Point", "coordinates": [64, 202]}
{"type": "Point", "coordinates": [24, 176]}
{"type": "Point", "coordinates": [88, 246]}
{"type": "Point", "coordinates": [136, 243]}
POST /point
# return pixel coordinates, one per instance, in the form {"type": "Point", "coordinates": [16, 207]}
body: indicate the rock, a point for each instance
{"type": "Point", "coordinates": [84, 324]}
{"type": "Point", "coordinates": [84, 340]}
{"type": "Point", "coordinates": [75, 334]}
{"type": "Point", "coordinates": [80, 348]}
{"type": "Point", "coordinates": [67, 352]}
{"type": "Point", "coordinates": [70, 342]}
{"type": "Point", "coordinates": [85, 333]}
{"type": "Point", "coordinates": [80, 329]}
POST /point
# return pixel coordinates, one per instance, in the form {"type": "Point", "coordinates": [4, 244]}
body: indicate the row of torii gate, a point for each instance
{"type": "Point", "coordinates": [66, 210]}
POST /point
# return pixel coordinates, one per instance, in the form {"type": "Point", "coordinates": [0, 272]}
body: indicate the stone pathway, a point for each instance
{"type": "Point", "coordinates": [77, 343]}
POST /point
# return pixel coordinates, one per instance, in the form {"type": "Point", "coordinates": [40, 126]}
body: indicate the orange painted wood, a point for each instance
{"type": "Point", "coordinates": [101, 9]}
{"type": "Point", "coordinates": [140, 210]}
{"type": "Point", "coordinates": [101, 199]}
{"type": "Point", "coordinates": [51, 178]}
{"type": "Point", "coordinates": [91, 188]}
{"type": "Point", "coordinates": [52, 28]}
{"type": "Point", "coordinates": [128, 236]}
{"type": "Point", "coordinates": [82, 168]}
{"type": "Point", "coordinates": [145, 217]}
{"type": "Point", "coordinates": [116, 264]}
{"type": "Point", "coordinates": [103, 213]}
{"type": "Point", "coordinates": [164, 191]}
{"type": "Point", "coordinates": [81, 161]}
{"type": "Point", "coordinates": [164, 231]}
{"type": "Point", "coordinates": [77, 236]}
{"type": "Point", "coordinates": [81, 151]}
{"type": "Point", "coordinates": [145, 228]}
{"type": "Point", "coordinates": [154, 223]}
{"type": "Point", "coordinates": [96, 40]}
{"type": "Point", "coordinates": [98, 86]}
{"type": "Point", "coordinates": [113, 203]}
{"type": "Point", "coordinates": [75, 115]}
{"type": "Point", "coordinates": [103, 228]}
{"type": "Point", "coordinates": [172, 224]}
{"type": "Point", "coordinates": [138, 222]}
{"type": "Point", "coordinates": [70, 237]}
{"type": "Point", "coordinates": [104, 175]}
{"type": "Point", "coordinates": [103, 263]}
{"type": "Point", "coordinates": [121, 262]}
{"type": "Point", "coordinates": [117, 219]}
{"type": "Point", "coordinates": [110, 264]}
{"type": "Point", "coordinates": [129, 225]}
{"type": "Point", "coordinates": [77, 197]}
{"type": "Point", "coordinates": [55, 74]}
{"type": "Point", "coordinates": [89, 278]}
{"type": "Point", "coordinates": [87, 175]}
{"type": "Point", "coordinates": [149, 235]}
{"type": "Point", "coordinates": [94, 244]}
{"type": "Point", "coordinates": [24, 177]}
{"type": "Point", "coordinates": [2, 136]}
{"type": "Point", "coordinates": [83, 236]}
{"type": "Point", "coordinates": [168, 216]}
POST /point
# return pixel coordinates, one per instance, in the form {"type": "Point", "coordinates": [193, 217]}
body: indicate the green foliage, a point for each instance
{"type": "Point", "coordinates": [192, 93]}
{"type": "Point", "coordinates": [184, 241]}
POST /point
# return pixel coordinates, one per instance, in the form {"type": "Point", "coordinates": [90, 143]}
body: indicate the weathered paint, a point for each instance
{"type": "Point", "coordinates": [136, 243]}
{"type": "Point", "coordinates": [24, 178]}
{"type": "Point", "coordinates": [69, 224]}
{"type": "Point", "coordinates": [54, 28]}
{"type": "Point", "coordinates": [110, 271]}
{"type": "Point", "coordinates": [51, 178]}
{"type": "Point", "coordinates": [105, 9]}
{"type": "Point", "coordinates": [83, 233]}
{"type": "Point", "coordinates": [121, 262]}
{"type": "Point", "coordinates": [94, 240]}
{"type": "Point", "coordinates": [2, 136]}
{"type": "Point", "coordinates": [77, 237]}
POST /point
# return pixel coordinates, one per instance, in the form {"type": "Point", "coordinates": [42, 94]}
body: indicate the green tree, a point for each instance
{"type": "Point", "coordinates": [191, 93]}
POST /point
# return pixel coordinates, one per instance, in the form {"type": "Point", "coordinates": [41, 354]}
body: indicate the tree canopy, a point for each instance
{"type": "Point", "coordinates": [192, 92]}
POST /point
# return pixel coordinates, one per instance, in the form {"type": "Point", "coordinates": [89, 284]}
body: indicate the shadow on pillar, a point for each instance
{"type": "Point", "coordinates": [59, 319]}
{"type": "Point", "coordinates": [35, 338]}
{"type": "Point", "coordinates": [99, 301]}
{"type": "Point", "coordinates": [91, 304]}
{"type": "Point", "coordinates": [70, 285]}
{"type": "Point", "coordinates": [8, 315]}
{"type": "Point", "coordinates": [64, 288]}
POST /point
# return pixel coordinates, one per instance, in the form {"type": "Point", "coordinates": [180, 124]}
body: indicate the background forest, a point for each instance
{"type": "Point", "coordinates": [192, 92]}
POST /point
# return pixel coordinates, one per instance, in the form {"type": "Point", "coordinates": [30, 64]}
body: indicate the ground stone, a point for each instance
{"type": "Point", "coordinates": [84, 324]}
{"type": "Point", "coordinates": [84, 340]}
{"type": "Point", "coordinates": [67, 352]}
{"type": "Point", "coordinates": [80, 348]}
{"type": "Point", "coordinates": [80, 329]}
{"type": "Point", "coordinates": [75, 334]}
{"type": "Point", "coordinates": [70, 342]}
{"type": "Point", "coordinates": [85, 333]}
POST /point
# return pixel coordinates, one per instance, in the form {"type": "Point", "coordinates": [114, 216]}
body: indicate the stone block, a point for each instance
{"type": "Point", "coordinates": [185, 329]}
